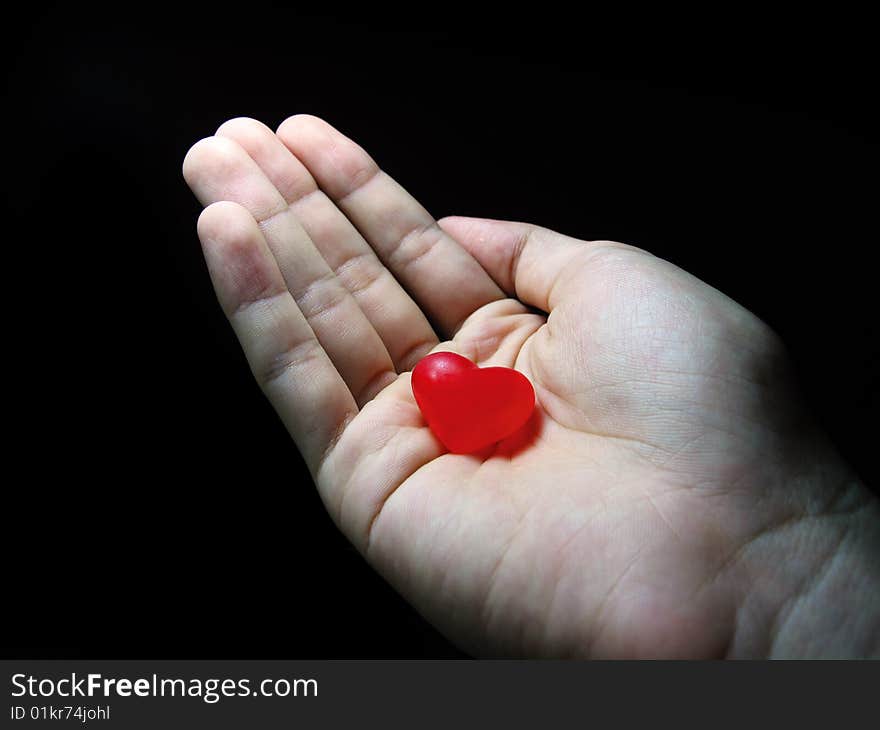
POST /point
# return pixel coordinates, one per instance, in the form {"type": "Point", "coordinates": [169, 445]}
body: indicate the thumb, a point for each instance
{"type": "Point", "coordinates": [533, 264]}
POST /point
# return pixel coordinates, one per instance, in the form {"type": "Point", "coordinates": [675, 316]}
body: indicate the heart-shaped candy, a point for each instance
{"type": "Point", "coordinates": [468, 407]}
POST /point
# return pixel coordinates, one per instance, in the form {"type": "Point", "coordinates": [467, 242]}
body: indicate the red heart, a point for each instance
{"type": "Point", "coordinates": [468, 407]}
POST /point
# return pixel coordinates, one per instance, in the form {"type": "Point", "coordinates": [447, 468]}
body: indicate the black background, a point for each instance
{"type": "Point", "coordinates": [155, 505]}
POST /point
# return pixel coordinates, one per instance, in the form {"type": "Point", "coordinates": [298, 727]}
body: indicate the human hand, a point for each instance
{"type": "Point", "coordinates": [669, 498]}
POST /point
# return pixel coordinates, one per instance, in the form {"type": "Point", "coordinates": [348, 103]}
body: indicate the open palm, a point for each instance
{"type": "Point", "coordinates": [621, 521]}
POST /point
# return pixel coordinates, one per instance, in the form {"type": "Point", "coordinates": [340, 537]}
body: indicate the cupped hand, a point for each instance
{"type": "Point", "coordinates": [636, 514]}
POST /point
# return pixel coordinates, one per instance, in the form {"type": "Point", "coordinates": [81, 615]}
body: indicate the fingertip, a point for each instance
{"type": "Point", "coordinates": [474, 232]}
{"type": "Point", "coordinates": [191, 160]}
{"type": "Point", "coordinates": [206, 156]}
{"type": "Point", "coordinates": [239, 262]}
{"type": "Point", "coordinates": [493, 243]}
{"type": "Point", "coordinates": [225, 220]}
{"type": "Point", "coordinates": [289, 125]}
{"type": "Point", "coordinates": [454, 220]}
{"type": "Point", "coordinates": [242, 122]}
{"type": "Point", "coordinates": [459, 227]}
{"type": "Point", "coordinates": [339, 164]}
{"type": "Point", "coordinates": [242, 128]}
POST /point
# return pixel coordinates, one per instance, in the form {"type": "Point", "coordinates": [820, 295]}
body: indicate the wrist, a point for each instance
{"type": "Point", "coordinates": [813, 581]}
{"type": "Point", "coordinates": [835, 611]}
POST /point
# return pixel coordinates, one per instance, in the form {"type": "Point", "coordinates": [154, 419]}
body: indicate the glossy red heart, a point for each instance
{"type": "Point", "coordinates": [468, 407]}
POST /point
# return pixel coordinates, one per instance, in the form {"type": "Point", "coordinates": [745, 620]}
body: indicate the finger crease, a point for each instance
{"type": "Point", "coordinates": [265, 220]}
{"type": "Point", "coordinates": [302, 197]}
{"type": "Point", "coordinates": [333, 440]}
{"type": "Point", "coordinates": [359, 262]}
{"type": "Point", "coordinates": [415, 238]}
{"type": "Point", "coordinates": [261, 299]}
{"type": "Point", "coordinates": [325, 289]}
{"type": "Point", "coordinates": [372, 383]}
{"type": "Point", "coordinates": [299, 354]}
{"type": "Point", "coordinates": [362, 178]}
{"type": "Point", "coordinates": [515, 256]}
{"type": "Point", "coordinates": [412, 350]}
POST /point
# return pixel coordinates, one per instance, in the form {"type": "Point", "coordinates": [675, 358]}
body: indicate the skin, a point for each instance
{"type": "Point", "coordinates": [669, 498]}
